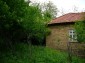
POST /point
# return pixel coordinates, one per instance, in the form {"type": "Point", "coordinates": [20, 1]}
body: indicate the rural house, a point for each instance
{"type": "Point", "coordinates": [62, 31]}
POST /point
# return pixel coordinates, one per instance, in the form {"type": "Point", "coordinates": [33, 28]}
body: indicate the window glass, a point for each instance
{"type": "Point", "coordinates": [72, 36]}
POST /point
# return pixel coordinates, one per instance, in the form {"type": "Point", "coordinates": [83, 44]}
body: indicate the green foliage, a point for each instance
{"type": "Point", "coordinates": [11, 13]}
{"type": "Point", "coordinates": [34, 24]}
{"type": "Point", "coordinates": [50, 10]}
{"type": "Point", "coordinates": [37, 54]}
{"type": "Point", "coordinates": [80, 30]}
{"type": "Point", "coordinates": [18, 21]}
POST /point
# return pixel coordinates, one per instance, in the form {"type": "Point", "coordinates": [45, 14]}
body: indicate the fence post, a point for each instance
{"type": "Point", "coordinates": [69, 53]}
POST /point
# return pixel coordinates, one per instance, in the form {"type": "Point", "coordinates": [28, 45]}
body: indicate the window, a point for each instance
{"type": "Point", "coordinates": [72, 36]}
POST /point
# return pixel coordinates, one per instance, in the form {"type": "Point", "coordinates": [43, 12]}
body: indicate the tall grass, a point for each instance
{"type": "Point", "coordinates": [23, 53]}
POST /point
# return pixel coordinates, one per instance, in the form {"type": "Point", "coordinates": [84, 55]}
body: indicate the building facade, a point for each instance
{"type": "Point", "coordinates": [63, 31]}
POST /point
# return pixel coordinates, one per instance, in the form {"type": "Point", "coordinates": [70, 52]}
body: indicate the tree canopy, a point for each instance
{"type": "Point", "coordinates": [80, 29]}
{"type": "Point", "coordinates": [20, 21]}
{"type": "Point", "coordinates": [49, 10]}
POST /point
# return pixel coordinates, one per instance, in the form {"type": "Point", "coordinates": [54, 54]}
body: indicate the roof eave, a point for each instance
{"type": "Point", "coordinates": [61, 23]}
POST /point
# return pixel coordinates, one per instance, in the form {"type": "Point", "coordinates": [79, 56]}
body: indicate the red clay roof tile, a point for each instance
{"type": "Point", "coordinates": [70, 17]}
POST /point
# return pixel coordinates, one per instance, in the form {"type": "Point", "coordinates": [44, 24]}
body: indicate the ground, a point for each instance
{"type": "Point", "coordinates": [36, 54]}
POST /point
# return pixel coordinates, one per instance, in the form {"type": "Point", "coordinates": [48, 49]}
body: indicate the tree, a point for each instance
{"type": "Point", "coordinates": [11, 13]}
{"type": "Point", "coordinates": [75, 9]}
{"type": "Point", "coordinates": [62, 11]}
{"type": "Point", "coordinates": [49, 9]}
{"type": "Point", "coordinates": [34, 24]}
{"type": "Point", "coordinates": [21, 21]}
{"type": "Point", "coordinates": [80, 29]}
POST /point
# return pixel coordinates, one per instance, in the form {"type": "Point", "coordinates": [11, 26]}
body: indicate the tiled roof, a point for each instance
{"type": "Point", "coordinates": [67, 18]}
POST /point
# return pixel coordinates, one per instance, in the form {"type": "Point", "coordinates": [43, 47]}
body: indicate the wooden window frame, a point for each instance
{"type": "Point", "coordinates": [72, 35]}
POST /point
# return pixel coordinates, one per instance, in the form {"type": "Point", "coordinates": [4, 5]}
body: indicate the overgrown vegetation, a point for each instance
{"type": "Point", "coordinates": [37, 54]}
{"type": "Point", "coordinates": [22, 22]}
{"type": "Point", "coordinates": [80, 28]}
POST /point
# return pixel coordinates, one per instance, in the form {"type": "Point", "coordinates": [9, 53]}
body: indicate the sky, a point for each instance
{"type": "Point", "coordinates": [66, 6]}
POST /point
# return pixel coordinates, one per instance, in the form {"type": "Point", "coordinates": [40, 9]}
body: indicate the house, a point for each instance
{"type": "Point", "coordinates": [63, 31]}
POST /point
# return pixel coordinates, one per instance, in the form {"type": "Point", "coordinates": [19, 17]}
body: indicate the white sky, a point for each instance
{"type": "Point", "coordinates": [66, 5]}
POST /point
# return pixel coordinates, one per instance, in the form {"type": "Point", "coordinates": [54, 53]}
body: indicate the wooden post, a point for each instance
{"type": "Point", "coordinates": [69, 53]}
{"type": "Point", "coordinates": [30, 46]}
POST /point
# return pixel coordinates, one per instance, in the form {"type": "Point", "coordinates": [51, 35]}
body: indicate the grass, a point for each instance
{"type": "Point", "coordinates": [22, 53]}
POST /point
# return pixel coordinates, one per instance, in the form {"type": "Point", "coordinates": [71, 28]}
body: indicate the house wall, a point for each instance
{"type": "Point", "coordinates": [59, 36]}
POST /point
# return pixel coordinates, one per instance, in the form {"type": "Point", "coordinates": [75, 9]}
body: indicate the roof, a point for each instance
{"type": "Point", "coordinates": [67, 18]}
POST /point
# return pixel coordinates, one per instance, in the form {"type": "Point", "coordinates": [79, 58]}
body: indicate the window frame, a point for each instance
{"type": "Point", "coordinates": [72, 35]}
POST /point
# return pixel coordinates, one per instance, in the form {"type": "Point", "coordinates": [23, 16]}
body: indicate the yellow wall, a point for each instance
{"type": "Point", "coordinates": [59, 36]}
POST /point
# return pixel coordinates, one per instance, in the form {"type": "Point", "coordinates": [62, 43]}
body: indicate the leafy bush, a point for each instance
{"type": "Point", "coordinates": [80, 30]}
{"type": "Point", "coordinates": [23, 53]}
